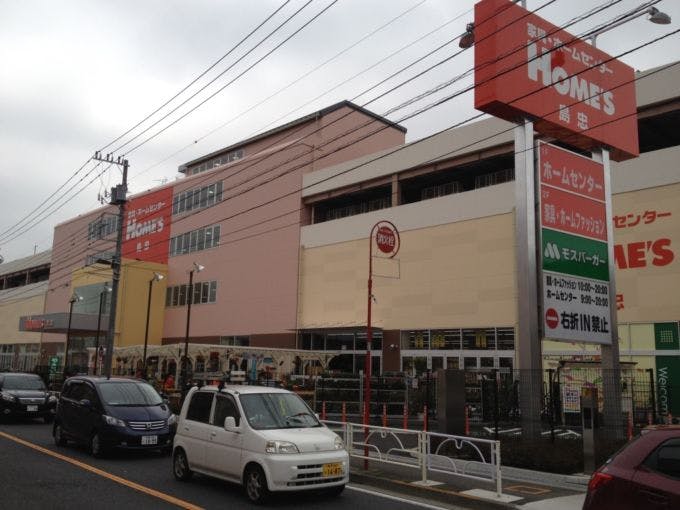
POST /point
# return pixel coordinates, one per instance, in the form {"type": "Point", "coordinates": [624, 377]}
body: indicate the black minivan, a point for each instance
{"type": "Point", "coordinates": [113, 413]}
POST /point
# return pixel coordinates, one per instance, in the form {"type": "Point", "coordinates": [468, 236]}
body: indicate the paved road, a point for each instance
{"type": "Point", "coordinates": [35, 473]}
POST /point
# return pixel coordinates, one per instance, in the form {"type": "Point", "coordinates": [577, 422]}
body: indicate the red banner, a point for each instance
{"type": "Point", "coordinates": [573, 214]}
{"type": "Point", "coordinates": [527, 67]}
{"type": "Point", "coordinates": [146, 232]}
{"type": "Point", "coordinates": [570, 172]}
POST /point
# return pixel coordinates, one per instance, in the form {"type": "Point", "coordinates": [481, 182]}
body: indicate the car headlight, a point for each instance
{"type": "Point", "coordinates": [8, 397]}
{"type": "Point", "coordinates": [338, 444]}
{"type": "Point", "coordinates": [110, 420]}
{"type": "Point", "coordinates": [281, 447]}
{"type": "Point", "coordinates": [172, 419]}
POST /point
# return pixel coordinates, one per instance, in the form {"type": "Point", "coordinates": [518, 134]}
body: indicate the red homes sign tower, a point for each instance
{"type": "Point", "coordinates": [525, 66]}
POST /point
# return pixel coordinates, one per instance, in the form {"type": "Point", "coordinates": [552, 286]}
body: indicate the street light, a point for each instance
{"type": "Point", "coordinates": [99, 322]}
{"type": "Point", "coordinates": [197, 268]}
{"type": "Point", "coordinates": [467, 40]}
{"type": "Point", "coordinates": [655, 16]}
{"type": "Point", "coordinates": [75, 297]}
{"type": "Point", "coordinates": [157, 277]}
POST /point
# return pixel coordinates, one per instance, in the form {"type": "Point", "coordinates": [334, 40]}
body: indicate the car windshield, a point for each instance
{"type": "Point", "coordinates": [277, 411]}
{"type": "Point", "coordinates": [17, 382]}
{"type": "Point", "coordinates": [129, 394]}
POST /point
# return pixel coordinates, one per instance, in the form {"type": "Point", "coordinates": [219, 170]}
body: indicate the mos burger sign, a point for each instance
{"type": "Point", "coordinates": [527, 67]}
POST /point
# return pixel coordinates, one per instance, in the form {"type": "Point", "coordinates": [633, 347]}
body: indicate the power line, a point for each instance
{"type": "Point", "coordinates": [13, 229]}
{"type": "Point", "coordinates": [162, 130]}
{"type": "Point", "coordinates": [460, 148]}
{"type": "Point", "coordinates": [354, 129]}
{"type": "Point", "coordinates": [201, 75]}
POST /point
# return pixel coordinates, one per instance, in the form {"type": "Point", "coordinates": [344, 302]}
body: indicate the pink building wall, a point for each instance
{"type": "Point", "coordinates": [256, 262]}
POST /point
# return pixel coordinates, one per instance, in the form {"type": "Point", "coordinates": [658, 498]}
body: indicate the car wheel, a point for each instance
{"type": "Point", "coordinates": [256, 485]}
{"type": "Point", "coordinates": [58, 435]}
{"type": "Point", "coordinates": [96, 447]}
{"type": "Point", "coordinates": [335, 491]}
{"type": "Point", "coordinates": [180, 466]}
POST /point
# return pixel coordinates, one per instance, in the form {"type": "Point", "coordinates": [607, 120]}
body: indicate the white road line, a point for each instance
{"type": "Point", "coordinates": [374, 492]}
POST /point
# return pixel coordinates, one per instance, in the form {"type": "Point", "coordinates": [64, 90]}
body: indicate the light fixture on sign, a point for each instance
{"type": "Point", "coordinates": [468, 38]}
{"type": "Point", "coordinates": [658, 17]}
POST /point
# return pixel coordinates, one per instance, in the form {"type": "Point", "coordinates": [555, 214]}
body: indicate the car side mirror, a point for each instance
{"type": "Point", "coordinates": [230, 424]}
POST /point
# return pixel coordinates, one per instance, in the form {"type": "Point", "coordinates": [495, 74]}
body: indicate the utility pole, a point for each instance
{"type": "Point", "coordinates": [118, 197]}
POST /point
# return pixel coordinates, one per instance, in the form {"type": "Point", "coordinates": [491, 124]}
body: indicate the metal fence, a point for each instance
{"type": "Point", "coordinates": [493, 398]}
{"type": "Point", "coordinates": [428, 452]}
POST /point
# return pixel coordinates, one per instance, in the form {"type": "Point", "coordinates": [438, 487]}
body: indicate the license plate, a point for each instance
{"type": "Point", "coordinates": [334, 469]}
{"type": "Point", "coordinates": [146, 440]}
{"type": "Point", "coordinates": [31, 409]}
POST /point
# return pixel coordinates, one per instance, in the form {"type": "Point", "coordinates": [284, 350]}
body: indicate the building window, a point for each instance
{"type": "Point", "coordinates": [360, 208]}
{"type": "Point", "coordinates": [506, 339]}
{"type": "Point", "coordinates": [203, 292]}
{"type": "Point", "coordinates": [505, 363]}
{"type": "Point", "coordinates": [230, 157]}
{"type": "Point", "coordinates": [106, 256]}
{"type": "Point", "coordinates": [419, 339]}
{"type": "Point", "coordinates": [445, 339]}
{"type": "Point", "coordinates": [102, 227]}
{"type": "Point", "coordinates": [479, 339]}
{"type": "Point", "coordinates": [499, 177]}
{"type": "Point", "coordinates": [440, 190]}
{"type": "Point", "coordinates": [236, 341]}
{"type": "Point", "coordinates": [197, 198]}
{"type": "Point", "coordinates": [196, 240]}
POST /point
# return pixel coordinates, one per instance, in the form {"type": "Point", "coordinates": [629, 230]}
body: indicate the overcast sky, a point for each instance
{"type": "Point", "coordinates": [76, 74]}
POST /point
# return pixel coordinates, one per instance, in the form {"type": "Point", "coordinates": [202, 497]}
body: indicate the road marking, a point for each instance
{"type": "Point", "coordinates": [528, 489]}
{"type": "Point", "coordinates": [141, 488]}
{"type": "Point", "coordinates": [374, 492]}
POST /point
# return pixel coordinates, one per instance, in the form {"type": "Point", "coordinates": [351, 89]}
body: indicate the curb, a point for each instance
{"type": "Point", "coordinates": [433, 494]}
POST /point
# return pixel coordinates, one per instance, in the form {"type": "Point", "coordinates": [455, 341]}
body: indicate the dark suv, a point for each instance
{"type": "Point", "coordinates": [25, 395]}
{"type": "Point", "coordinates": [113, 413]}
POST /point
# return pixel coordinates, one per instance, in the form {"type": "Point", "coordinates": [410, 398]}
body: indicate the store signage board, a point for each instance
{"type": "Point", "coordinates": [574, 255]}
{"type": "Point", "coordinates": [528, 67]}
{"type": "Point", "coordinates": [146, 229]}
{"type": "Point", "coordinates": [571, 172]}
{"type": "Point", "coordinates": [573, 213]}
{"type": "Point", "coordinates": [574, 250]}
{"type": "Point", "coordinates": [575, 309]}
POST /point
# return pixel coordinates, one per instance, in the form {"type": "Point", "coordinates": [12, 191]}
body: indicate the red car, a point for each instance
{"type": "Point", "coordinates": [644, 474]}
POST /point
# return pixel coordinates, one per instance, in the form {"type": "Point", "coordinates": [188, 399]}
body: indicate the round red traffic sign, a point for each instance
{"type": "Point", "coordinates": [386, 239]}
{"type": "Point", "coordinates": [551, 318]}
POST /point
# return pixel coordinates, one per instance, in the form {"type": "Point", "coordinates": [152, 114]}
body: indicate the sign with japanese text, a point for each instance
{"type": "Point", "coordinates": [571, 172]}
{"type": "Point", "coordinates": [646, 234]}
{"type": "Point", "coordinates": [146, 230]}
{"type": "Point", "coordinates": [578, 256]}
{"type": "Point", "coordinates": [573, 213]}
{"type": "Point", "coordinates": [526, 66]}
{"type": "Point", "coordinates": [575, 309]}
{"type": "Point", "coordinates": [574, 255]}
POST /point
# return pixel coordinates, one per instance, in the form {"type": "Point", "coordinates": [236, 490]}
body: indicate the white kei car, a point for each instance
{"type": "Point", "coordinates": [266, 439]}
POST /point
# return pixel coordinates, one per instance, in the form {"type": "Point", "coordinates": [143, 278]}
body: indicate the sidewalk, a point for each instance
{"type": "Point", "coordinates": [522, 489]}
